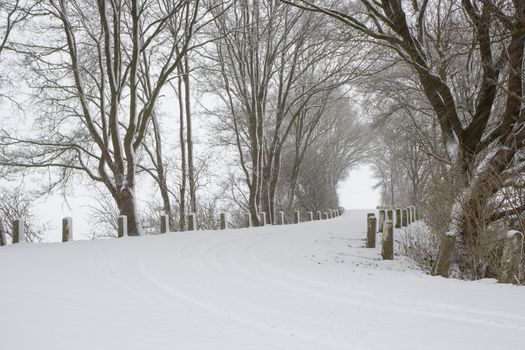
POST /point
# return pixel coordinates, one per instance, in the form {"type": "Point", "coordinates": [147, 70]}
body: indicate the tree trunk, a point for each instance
{"type": "Point", "coordinates": [182, 142]}
{"type": "Point", "coordinates": [472, 206]}
{"type": "Point", "coordinates": [128, 207]}
{"type": "Point", "coordinates": [189, 140]}
{"type": "Point", "coordinates": [161, 173]}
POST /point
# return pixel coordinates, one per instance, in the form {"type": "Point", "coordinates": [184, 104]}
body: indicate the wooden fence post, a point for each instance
{"type": "Point", "coordinates": [511, 258]}
{"type": "Point", "coordinates": [192, 224]}
{"type": "Point", "coordinates": [387, 246]}
{"type": "Point", "coordinates": [222, 221]}
{"type": "Point", "coordinates": [444, 257]}
{"type": "Point", "coordinates": [263, 218]}
{"type": "Point", "coordinates": [404, 218]}
{"type": "Point", "coordinates": [297, 217]}
{"type": "Point", "coordinates": [67, 229]}
{"type": "Point", "coordinates": [390, 215]}
{"type": "Point", "coordinates": [325, 215]}
{"type": "Point", "coordinates": [280, 216]}
{"type": "Point", "coordinates": [19, 231]}
{"type": "Point", "coordinates": [409, 219]}
{"type": "Point", "coordinates": [412, 213]}
{"type": "Point", "coordinates": [398, 218]}
{"type": "Point", "coordinates": [122, 226]}
{"type": "Point", "coordinates": [319, 217]}
{"type": "Point", "coordinates": [164, 223]}
{"type": "Point", "coordinates": [381, 220]}
{"type": "Point", "coordinates": [371, 231]}
{"type": "Point", "coordinates": [3, 240]}
{"type": "Point", "coordinates": [310, 216]}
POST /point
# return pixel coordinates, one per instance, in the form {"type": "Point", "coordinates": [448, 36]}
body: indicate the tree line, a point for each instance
{"type": "Point", "coordinates": [105, 94]}
{"type": "Point", "coordinates": [448, 110]}
{"type": "Point", "coordinates": [292, 94]}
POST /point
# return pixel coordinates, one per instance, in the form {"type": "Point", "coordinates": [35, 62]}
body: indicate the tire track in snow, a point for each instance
{"type": "Point", "coordinates": [402, 306]}
{"type": "Point", "coordinates": [203, 269]}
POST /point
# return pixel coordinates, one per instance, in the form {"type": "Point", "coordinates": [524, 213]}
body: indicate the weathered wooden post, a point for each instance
{"type": "Point", "coordinates": [263, 218]}
{"type": "Point", "coordinates": [511, 258]}
{"type": "Point", "coordinates": [319, 216]}
{"type": "Point", "coordinates": [444, 256]}
{"type": "Point", "coordinates": [222, 221]}
{"type": "Point", "coordinates": [390, 215]}
{"type": "Point", "coordinates": [164, 223]}
{"type": "Point", "coordinates": [371, 231]}
{"type": "Point", "coordinates": [325, 215]}
{"type": "Point", "coordinates": [404, 218]}
{"type": "Point", "coordinates": [192, 222]}
{"type": "Point", "coordinates": [381, 220]}
{"type": "Point", "coordinates": [280, 217]}
{"type": "Point", "coordinates": [122, 226]}
{"type": "Point", "coordinates": [413, 213]}
{"type": "Point", "coordinates": [3, 240]}
{"type": "Point", "coordinates": [310, 216]}
{"type": "Point", "coordinates": [398, 218]}
{"type": "Point", "coordinates": [417, 217]}
{"type": "Point", "coordinates": [387, 246]}
{"type": "Point", "coordinates": [248, 219]}
{"type": "Point", "coordinates": [19, 231]}
{"type": "Point", "coordinates": [67, 229]}
{"type": "Point", "coordinates": [409, 218]}
{"type": "Point", "coordinates": [297, 217]}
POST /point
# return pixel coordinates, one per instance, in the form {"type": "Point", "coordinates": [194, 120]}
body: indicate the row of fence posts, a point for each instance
{"type": "Point", "coordinates": [18, 234]}
{"type": "Point", "coordinates": [389, 218]}
{"type": "Point", "coordinates": [281, 218]}
{"type": "Point", "coordinates": [394, 217]}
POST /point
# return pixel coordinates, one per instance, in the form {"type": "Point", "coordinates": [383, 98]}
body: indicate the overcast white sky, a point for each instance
{"type": "Point", "coordinates": [357, 191]}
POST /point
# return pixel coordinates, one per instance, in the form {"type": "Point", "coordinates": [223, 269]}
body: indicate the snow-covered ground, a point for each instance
{"type": "Point", "coordinates": [306, 286]}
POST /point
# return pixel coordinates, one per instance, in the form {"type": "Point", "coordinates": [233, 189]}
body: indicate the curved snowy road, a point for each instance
{"type": "Point", "coordinates": [306, 286]}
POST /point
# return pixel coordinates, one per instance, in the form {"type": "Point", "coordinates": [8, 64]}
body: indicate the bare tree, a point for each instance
{"type": "Point", "coordinates": [273, 63]}
{"type": "Point", "coordinates": [101, 72]}
{"type": "Point", "coordinates": [15, 203]}
{"type": "Point", "coordinates": [328, 151]}
{"type": "Point", "coordinates": [449, 45]}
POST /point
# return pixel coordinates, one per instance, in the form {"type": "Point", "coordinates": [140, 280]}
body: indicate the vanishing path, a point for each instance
{"type": "Point", "coordinates": [306, 286]}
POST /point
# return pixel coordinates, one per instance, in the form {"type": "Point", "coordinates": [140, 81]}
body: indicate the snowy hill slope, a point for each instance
{"type": "Point", "coordinates": [306, 286]}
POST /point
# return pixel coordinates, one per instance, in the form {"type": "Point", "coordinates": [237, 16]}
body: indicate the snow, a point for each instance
{"type": "Point", "coordinates": [512, 233]}
{"type": "Point", "coordinates": [305, 286]}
